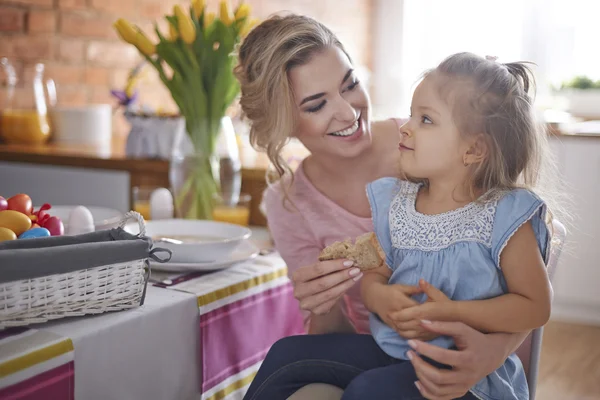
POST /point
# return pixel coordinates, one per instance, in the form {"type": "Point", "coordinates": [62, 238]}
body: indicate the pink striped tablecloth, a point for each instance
{"type": "Point", "coordinates": [243, 311]}
{"type": "Point", "coordinates": [35, 365]}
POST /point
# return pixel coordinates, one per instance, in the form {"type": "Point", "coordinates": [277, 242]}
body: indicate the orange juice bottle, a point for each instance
{"type": "Point", "coordinates": [25, 120]}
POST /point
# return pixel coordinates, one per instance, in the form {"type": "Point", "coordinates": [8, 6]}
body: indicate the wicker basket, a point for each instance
{"type": "Point", "coordinates": [51, 278]}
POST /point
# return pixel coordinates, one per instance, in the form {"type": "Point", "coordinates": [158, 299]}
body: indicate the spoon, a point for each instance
{"type": "Point", "coordinates": [169, 240]}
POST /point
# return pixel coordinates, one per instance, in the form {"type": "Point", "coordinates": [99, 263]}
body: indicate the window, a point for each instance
{"type": "Point", "coordinates": [560, 36]}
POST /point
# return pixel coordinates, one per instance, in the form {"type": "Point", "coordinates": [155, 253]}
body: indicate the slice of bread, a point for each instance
{"type": "Point", "coordinates": [336, 250]}
{"type": "Point", "coordinates": [365, 252]}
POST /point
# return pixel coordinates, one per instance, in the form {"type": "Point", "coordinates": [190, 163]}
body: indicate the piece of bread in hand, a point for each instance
{"type": "Point", "coordinates": [336, 250]}
{"type": "Point", "coordinates": [366, 252]}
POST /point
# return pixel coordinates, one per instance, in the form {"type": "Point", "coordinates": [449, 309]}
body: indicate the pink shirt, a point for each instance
{"type": "Point", "coordinates": [301, 234]}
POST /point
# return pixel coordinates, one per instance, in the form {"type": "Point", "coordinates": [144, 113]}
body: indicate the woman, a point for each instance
{"type": "Point", "coordinates": [298, 81]}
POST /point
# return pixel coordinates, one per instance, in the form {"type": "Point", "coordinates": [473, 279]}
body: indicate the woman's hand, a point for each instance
{"type": "Point", "coordinates": [319, 286]}
{"type": "Point", "coordinates": [477, 356]}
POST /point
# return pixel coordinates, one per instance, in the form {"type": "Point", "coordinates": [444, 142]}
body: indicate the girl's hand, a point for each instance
{"type": "Point", "coordinates": [477, 356]}
{"type": "Point", "coordinates": [319, 286]}
{"type": "Point", "coordinates": [391, 299]}
{"type": "Point", "coordinates": [407, 322]}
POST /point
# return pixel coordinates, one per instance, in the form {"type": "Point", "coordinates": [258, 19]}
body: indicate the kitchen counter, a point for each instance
{"type": "Point", "coordinates": [142, 172]}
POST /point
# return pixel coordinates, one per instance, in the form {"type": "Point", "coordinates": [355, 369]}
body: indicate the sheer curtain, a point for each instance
{"type": "Point", "coordinates": [411, 36]}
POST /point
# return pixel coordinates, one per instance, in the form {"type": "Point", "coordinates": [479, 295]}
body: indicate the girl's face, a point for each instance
{"type": "Point", "coordinates": [332, 106]}
{"type": "Point", "coordinates": [431, 145]}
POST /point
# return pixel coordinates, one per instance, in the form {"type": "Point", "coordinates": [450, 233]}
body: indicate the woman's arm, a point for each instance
{"type": "Point", "coordinates": [318, 286]}
{"type": "Point", "coordinates": [477, 355]}
{"type": "Point", "coordinates": [333, 322]}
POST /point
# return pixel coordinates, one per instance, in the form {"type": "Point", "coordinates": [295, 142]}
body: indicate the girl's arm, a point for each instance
{"type": "Point", "coordinates": [525, 307]}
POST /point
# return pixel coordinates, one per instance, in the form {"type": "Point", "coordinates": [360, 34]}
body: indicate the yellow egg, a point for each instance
{"type": "Point", "coordinates": [15, 221]}
{"type": "Point", "coordinates": [7, 234]}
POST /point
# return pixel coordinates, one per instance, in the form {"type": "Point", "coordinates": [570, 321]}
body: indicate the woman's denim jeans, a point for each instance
{"type": "Point", "coordinates": [352, 362]}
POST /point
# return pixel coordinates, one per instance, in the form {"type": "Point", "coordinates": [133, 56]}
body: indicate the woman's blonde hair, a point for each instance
{"type": "Point", "coordinates": [270, 51]}
{"type": "Point", "coordinates": [493, 99]}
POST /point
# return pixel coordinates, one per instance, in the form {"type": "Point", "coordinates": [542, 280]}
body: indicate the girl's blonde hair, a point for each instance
{"type": "Point", "coordinates": [270, 51]}
{"type": "Point", "coordinates": [493, 99]}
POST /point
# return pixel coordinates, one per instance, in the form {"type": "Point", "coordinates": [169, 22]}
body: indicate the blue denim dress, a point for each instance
{"type": "Point", "coordinates": [459, 253]}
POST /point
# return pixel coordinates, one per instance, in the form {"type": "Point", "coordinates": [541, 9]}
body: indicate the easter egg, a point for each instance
{"type": "Point", "coordinates": [7, 234]}
{"type": "Point", "coordinates": [3, 204]}
{"type": "Point", "coordinates": [55, 226]}
{"type": "Point", "coordinates": [80, 221]}
{"type": "Point", "coordinates": [15, 221]}
{"type": "Point", "coordinates": [20, 202]}
{"type": "Point", "coordinates": [35, 233]}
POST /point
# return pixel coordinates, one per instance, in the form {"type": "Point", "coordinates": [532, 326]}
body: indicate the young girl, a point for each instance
{"type": "Point", "coordinates": [463, 227]}
{"type": "Point", "coordinates": [464, 220]}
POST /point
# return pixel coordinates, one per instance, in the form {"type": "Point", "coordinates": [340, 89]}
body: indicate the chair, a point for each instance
{"type": "Point", "coordinates": [529, 351]}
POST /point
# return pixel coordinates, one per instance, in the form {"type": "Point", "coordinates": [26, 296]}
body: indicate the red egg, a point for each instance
{"type": "Point", "coordinates": [21, 203]}
{"type": "Point", "coordinates": [55, 226]}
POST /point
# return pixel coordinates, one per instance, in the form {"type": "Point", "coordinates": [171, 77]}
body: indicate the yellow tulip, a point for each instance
{"type": "Point", "coordinates": [126, 31]}
{"type": "Point", "coordinates": [224, 13]}
{"type": "Point", "coordinates": [144, 44]}
{"type": "Point", "coordinates": [187, 30]}
{"type": "Point", "coordinates": [242, 12]}
{"type": "Point", "coordinates": [173, 34]}
{"type": "Point", "coordinates": [209, 19]}
{"type": "Point", "coordinates": [248, 26]}
{"type": "Point", "coordinates": [198, 6]}
{"type": "Point", "coordinates": [130, 88]}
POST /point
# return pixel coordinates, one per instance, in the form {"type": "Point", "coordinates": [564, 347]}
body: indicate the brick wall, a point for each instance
{"type": "Point", "coordinates": [76, 42]}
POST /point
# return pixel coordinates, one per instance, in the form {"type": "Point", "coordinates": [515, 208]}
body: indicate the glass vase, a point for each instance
{"type": "Point", "coordinates": [197, 176]}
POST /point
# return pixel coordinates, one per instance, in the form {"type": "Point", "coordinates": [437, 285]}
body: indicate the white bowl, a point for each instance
{"type": "Point", "coordinates": [202, 241]}
{"type": "Point", "coordinates": [104, 218]}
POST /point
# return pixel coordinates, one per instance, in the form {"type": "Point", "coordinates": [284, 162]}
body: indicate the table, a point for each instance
{"type": "Point", "coordinates": [35, 365]}
{"type": "Point", "coordinates": [144, 353]}
{"type": "Point", "coordinates": [253, 308]}
{"type": "Point", "coordinates": [201, 338]}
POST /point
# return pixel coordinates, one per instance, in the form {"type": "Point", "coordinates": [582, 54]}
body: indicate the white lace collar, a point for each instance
{"type": "Point", "coordinates": [411, 229]}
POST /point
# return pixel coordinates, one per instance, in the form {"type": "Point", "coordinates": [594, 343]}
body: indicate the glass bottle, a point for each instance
{"type": "Point", "coordinates": [25, 118]}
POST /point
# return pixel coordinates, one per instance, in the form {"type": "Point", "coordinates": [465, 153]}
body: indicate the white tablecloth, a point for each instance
{"type": "Point", "coordinates": [161, 363]}
{"type": "Point", "coordinates": [153, 351]}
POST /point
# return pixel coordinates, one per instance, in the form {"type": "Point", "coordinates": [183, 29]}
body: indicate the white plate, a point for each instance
{"type": "Point", "coordinates": [244, 252]}
{"type": "Point", "coordinates": [219, 238]}
{"type": "Point", "coordinates": [104, 218]}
